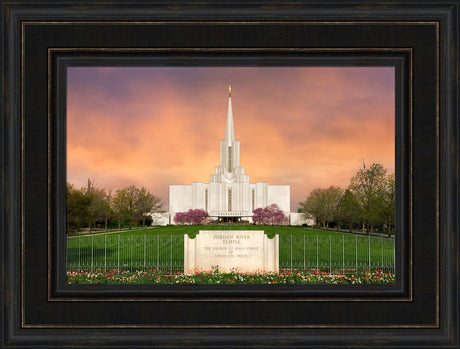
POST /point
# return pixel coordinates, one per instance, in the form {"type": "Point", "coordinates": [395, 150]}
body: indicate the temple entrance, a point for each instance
{"type": "Point", "coordinates": [229, 219]}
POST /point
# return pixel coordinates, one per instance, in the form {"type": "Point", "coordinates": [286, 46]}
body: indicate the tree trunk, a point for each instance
{"type": "Point", "coordinates": [106, 219]}
{"type": "Point", "coordinates": [366, 228]}
{"type": "Point", "coordinates": [119, 224]}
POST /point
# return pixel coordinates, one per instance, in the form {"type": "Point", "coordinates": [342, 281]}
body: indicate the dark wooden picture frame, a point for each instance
{"type": "Point", "coordinates": [39, 39]}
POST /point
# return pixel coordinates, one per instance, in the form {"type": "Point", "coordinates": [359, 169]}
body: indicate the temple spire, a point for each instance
{"type": "Point", "coordinates": [229, 132]}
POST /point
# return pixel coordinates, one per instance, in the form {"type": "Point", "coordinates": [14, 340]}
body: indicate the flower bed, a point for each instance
{"type": "Point", "coordinates": [284, 277]}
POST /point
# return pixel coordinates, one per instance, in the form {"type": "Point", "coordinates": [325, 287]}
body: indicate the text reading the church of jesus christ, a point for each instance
{"type": "Point", "coordinates": [233, 246]}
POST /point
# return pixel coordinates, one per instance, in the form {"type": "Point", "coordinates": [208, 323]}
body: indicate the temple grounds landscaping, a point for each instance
{"type": "Point", "coordinates": [192, 230]}
{"type": "Point", "coordinates": [156, 255]}
{"type": "Point", "coordinates": [284, 277]}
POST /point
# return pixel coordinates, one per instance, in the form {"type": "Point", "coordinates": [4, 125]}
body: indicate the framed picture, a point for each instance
{"type": "Point", "coordinates": [47, 47]}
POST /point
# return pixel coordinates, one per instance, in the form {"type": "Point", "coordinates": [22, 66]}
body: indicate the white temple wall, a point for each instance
{"type": "Point", "coordinates": [198, 195]}
{"type": "Point", "coordinates": [240, 197]}
{"type": "Point", "coordinates": [280, 195]}
{"type": "Point", "coordinates": [246, 197]}
{"type": "Point", "coordinates": [235, 153]}
{"type": "Point", "coordinates": [299, 219]}
{"type": "Point", "coordinates": [160, 218]}
{"type": "Point", "coordinates": [260, 194]}
{"type": "Point", "coordinates": [180, 198]}
{"type": "Point", "coordinates": [215, 197]}
{"type": "Point", "coordinates": [185, 197]}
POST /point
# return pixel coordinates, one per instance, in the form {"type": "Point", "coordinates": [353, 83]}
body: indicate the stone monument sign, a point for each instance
{"type": "Point", "coordinates": [231, 250]}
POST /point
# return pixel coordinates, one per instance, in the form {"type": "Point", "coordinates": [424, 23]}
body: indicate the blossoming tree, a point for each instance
{"type": "Point", "coordinates": [270, 215]}
{"type": "Point", "coordinates": [193, 217]}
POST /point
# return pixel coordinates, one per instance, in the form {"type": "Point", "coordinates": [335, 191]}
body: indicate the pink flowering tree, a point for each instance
{"type": "Point", "coordinates": [194, 217]}
{"type": "Point", "coordinates": [180, 218]}
{"type": "Point", "coordinates": [258, 215]}
{"type": "Point", "coordinates": [198, 216]}
{"type": "Point", "coordinates": [270, 215]}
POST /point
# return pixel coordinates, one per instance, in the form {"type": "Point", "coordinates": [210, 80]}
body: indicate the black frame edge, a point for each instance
{"type": "Point", "coordinates": [449, 190]}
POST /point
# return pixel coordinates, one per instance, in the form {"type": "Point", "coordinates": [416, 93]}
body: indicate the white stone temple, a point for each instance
{"type": "Point", "coordinates": [229, 196]}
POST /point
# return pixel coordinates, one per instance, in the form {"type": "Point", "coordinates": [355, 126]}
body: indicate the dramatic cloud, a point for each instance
{"type": "Point", "coordinates": [307, 127]}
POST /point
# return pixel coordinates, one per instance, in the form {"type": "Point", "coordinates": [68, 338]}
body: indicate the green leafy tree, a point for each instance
{"type": "Point", "coordinates": [312, 207]}
{"type": "Point", "coordinates": [146, 204]}
{"type": "Point", "coordinates": [332, 196]}
{"type": "Point", "coordinates": [106, 213]}
{"type": "Point", "coordinates": [133, 204]}
{"type": "Point", "coordinates": [97, 206]}
{"type": "Point", "coordinates": [77, 209]}
{"type": "Point", "coordinates": [124, 205]}
{"type": "Point", "coordinates": [388, 206]}
{"type": "Point", "coordinates": [118, 204]}
{"type": "Point", "coordinates": [349, 210]}
{"type": "Point", "coordinates": [368, 187]}
{"type": "Point", "coordinates": [322, 204]}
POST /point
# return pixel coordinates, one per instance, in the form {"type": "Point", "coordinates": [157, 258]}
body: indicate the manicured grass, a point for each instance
{"type": "Point", "coordinates": [192, 230]}
{"type": "Point", "coordinates": [162, 248]}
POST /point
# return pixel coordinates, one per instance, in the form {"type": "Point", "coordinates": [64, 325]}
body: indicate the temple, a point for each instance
{"type": "Point", "coordinates": [229, 196]}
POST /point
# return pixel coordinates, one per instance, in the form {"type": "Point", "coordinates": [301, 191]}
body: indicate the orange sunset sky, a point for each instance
{"type": "Point", "coordinates": [308, 127]}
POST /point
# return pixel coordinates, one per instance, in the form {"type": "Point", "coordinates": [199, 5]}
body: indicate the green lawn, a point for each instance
{"type": "Point", "coordinates": [192, 230]}
{"type": "Point", "coordinates": [162, 248]}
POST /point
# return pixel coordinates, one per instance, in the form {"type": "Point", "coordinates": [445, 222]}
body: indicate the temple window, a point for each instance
{"type": "Point", "coordinates": [230, 159]}
{"type": "Point", "coordinates": [229, 199]}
